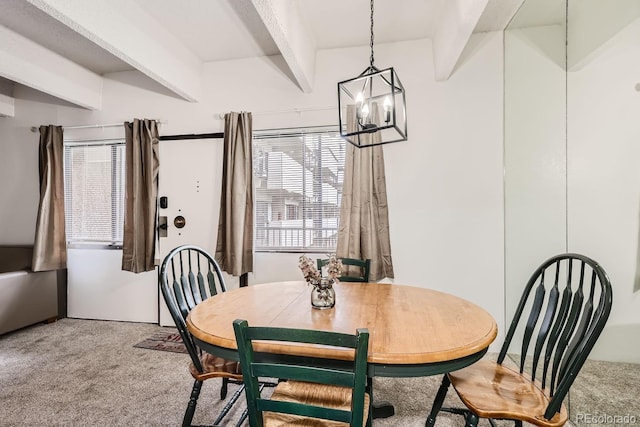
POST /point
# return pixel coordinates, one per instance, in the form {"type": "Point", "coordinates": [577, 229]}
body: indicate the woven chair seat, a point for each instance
{"type": "Point", "coordinates": [313, 394]}
{"type": "Point", "coordinates": [216, 367]}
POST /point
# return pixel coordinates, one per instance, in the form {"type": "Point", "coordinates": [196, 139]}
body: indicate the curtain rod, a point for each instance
{"type": "Point", "coordinates": [261, 133]}
{"type": "Point", "coordinates": [294, 110]}
{"type": "Point", "coordinates": [109, 125]}
{"type": "Point", "coordinates": [219, 116]}
{"type": "Point", "coordinates": [102, 141]}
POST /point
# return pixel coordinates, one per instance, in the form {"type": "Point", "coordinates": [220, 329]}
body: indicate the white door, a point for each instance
{"type": "Point", "coordinates": [190, 179]}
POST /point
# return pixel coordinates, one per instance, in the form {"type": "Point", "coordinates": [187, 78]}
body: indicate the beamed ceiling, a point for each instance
{"type": "Point", "coordinates": [64, 48]}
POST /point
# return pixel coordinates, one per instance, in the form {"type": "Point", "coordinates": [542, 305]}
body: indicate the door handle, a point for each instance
{"type": "Point", "coordinates": [179, 221]}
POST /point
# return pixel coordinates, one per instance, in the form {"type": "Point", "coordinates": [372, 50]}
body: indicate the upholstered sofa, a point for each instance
{"type": "Point", "coordinates": [28, 297]}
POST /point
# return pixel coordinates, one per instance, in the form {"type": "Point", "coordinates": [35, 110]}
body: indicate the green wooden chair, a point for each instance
{"type": "Point", "coordinates": [307, 393]}
{"type": "Point", "coordinates": [567, 301]}
{"type": "Point", "coordinates": [350, 265]}
{"type": "Point", "coordinates": [188, 275]}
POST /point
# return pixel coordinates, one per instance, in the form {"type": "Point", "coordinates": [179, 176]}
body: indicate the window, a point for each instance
{"type": "Point", "coordinates": [292, 212]}
{"type": "Point", "coordinates": [298, 177]}
{"type": "Point", "coordinates": [94, 179]}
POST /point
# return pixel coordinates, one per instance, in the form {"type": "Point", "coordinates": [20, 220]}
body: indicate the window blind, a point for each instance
{"type": "Point", "coordinates": [298, 176]}
{"type": "Point", "coordinates": [94, 191]}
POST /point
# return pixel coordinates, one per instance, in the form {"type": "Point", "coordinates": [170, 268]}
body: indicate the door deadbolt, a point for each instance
{"type": "Point", "coordinates": [179, 221]}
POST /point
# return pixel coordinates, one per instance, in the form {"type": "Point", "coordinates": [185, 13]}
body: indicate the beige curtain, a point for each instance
{"type": "Point", "coordinates": [49, 247]}
{"type": "Point", "coordinates": [142, 163]}
{"type": "Point", "coordinates": [364, 218]}
{"type": "Point", "coordinates": [234, 251]}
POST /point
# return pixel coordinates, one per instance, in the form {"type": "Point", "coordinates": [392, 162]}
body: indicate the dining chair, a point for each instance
{"type": "Point", "coordinates": [334, 394]}
{"type": "Point", "coordinates": [567, 300]}
{"type": "Point", "coordinates": [361, 265]}
{"type": "Point", "coordinates": [189, 275]}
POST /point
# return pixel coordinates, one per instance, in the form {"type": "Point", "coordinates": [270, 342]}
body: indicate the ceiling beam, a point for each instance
{"type": "Point", "coordinates": [30, 64]}
{"type": "Point", "coordinates": [297, 46]}
{"type": "Point", "coordinates": [126, 31]}
{"type": "Point", "coordinates": [7, 106]}
{"type": "Point", "coordinates": [458, 20]}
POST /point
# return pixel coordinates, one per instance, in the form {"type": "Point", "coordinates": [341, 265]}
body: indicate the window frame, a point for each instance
{"type": "Point", "coordinates": [304, 212]}
{"type": "Point", "coordinates": [118, 164]}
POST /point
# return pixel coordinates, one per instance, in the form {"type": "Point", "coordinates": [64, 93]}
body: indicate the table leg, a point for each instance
{"type": "Point", "coordinates": [379, 409]}
{"type": "Point", "coordinates": [383, 409]}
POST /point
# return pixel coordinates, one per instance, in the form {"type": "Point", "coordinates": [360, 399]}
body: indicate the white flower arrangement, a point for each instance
{"type": "Point", "coordinates": [313, 275]}
{"type": "Point", "coordinates": [334, 267]}
{"type": "Point", "coordinates": [309, 270]}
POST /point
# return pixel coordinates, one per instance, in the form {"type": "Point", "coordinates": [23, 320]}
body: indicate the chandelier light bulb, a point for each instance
{"type": "Point", "coordinates": [387, 109]}
{"type": "Point", "coordinates": [387, 103]}
{"type": "Point", "coordinates": [365, 111]}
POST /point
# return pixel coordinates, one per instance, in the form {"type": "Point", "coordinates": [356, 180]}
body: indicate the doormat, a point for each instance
{"type": "Point", "coordinates": [164, 341]}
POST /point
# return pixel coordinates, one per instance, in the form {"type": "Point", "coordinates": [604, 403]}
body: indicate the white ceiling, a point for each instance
{"type": "Point", "coordinates": [168, 40]}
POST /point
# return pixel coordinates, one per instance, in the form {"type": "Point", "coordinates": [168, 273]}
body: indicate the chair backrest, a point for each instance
{"type": "Point", "coordinates": [255, 365]}
{"type": "Point", "coordinates": [188, 276]}
{"type": "Point", "coordinates": [361, 265]}
{"type": "Point", "coordinates": [568, 300]}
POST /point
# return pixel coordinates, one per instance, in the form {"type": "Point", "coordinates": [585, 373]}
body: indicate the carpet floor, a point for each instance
{"type": "Point", "coordinates": [88, 373]}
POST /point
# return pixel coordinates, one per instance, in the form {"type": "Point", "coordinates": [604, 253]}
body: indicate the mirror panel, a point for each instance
{"type": "Point", "coordinates": [571, 156]}
{"type": "Point", "coordinates": [535, 155]}
{"type": "Point", "coordinates": [603, 172]}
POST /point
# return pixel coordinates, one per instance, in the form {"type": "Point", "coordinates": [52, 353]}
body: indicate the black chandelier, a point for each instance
{"type": "Point", "coordinates": [372, 106]}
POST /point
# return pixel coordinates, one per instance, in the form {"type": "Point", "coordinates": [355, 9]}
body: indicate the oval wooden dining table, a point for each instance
{"type": "Point", "coordinates": [413, 331]}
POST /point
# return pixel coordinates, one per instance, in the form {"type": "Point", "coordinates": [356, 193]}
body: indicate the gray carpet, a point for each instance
{"type": "Point", "coordinates": [87, 373]}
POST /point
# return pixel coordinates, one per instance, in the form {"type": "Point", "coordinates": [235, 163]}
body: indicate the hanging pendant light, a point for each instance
{"type": "Point", "coordinates": [372, 106]}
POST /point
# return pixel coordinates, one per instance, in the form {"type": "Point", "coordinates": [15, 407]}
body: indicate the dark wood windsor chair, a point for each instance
{"type": "Point", "coordinates": [568, 299]}
{"type": "Point", "coordinates": [188, 276]}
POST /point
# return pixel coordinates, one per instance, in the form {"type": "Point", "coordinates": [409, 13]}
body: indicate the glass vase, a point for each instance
{"type": "Point", "coordinates": [323, 295]}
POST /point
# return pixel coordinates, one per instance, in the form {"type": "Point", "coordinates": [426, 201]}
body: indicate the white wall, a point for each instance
{"type": "Point", "coordinates": [444, 184]}
{"type": "Point", "coordinates": [19, 181]}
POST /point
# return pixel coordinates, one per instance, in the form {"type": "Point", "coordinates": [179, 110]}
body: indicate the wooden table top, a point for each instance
{"type": "Point", "coordinates": [407, 325]}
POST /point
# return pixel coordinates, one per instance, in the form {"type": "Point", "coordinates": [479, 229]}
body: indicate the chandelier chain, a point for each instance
{"type": "Point", "coordinates": [371, 43]}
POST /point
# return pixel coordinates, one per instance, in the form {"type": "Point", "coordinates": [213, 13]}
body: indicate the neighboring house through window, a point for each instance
{"type": "Point", "coordinates": [298, 175]}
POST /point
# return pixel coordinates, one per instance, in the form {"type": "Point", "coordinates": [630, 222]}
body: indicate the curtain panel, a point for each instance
{"type": "Point", "coordinates": [364, 213]}
{"type": "Point", "coordinates": [49, 246]}
{"type": "Point", "coordinates": [234, 249]}
{"type": "Point", "coordinates": [141, 189]}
